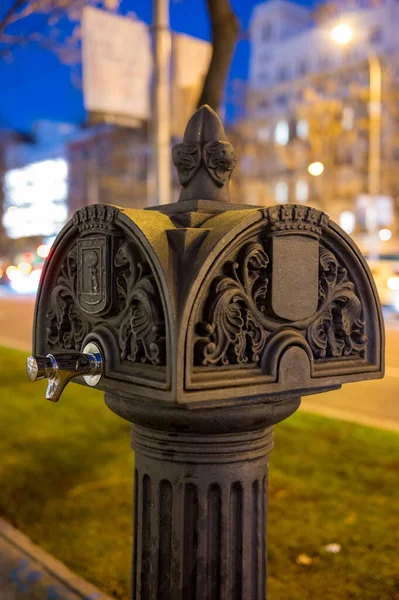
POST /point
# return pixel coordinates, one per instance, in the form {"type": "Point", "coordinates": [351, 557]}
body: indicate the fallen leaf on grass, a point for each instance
{"type": "Point", "coordinates": [304, 559]}
{"type": "Point", "coordinates": [333, 548]}
{"type": "Point", "coordinates": [281, 494]}
{"type": "Point", "coordinates": [350, 519]}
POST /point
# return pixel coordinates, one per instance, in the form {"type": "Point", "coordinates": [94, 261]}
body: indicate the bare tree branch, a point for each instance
{"type": "Point", "coordinates": [22, 40]}
{"type": "Point", "coordinates": [10, 14]}
{"type": "Point", "coordinates": [42, 6]}
{"type": "Point", "coordinates": [224, 36]}
{"type": "Point", "coordinates": [46, 39]}
{"type": "Point", "coordinates": [64, 43]}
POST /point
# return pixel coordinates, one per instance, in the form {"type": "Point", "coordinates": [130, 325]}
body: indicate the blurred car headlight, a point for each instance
{"type": "Point", "coordinates": [393, 283]}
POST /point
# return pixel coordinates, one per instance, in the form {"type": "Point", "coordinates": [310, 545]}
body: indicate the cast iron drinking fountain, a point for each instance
{"type": "Point", "coordinates": [204, 322]}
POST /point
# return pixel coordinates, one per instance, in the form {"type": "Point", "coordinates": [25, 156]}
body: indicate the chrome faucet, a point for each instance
{"type": "Point", "coordinates": [59, 369]}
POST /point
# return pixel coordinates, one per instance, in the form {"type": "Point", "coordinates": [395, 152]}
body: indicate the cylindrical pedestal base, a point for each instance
{"type": "Point", "coordinates": [200, 515]}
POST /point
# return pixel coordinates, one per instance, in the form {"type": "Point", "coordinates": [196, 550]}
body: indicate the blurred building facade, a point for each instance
{"type": "Point", "coordinates": [308, 102]}
{"type": "Point", "coordinates": [100, 163]}
{"type": "Point", "coordinates": [34, 183]}
{"type": "Point", "coordinates": [108, 164]}
{"type": "Point", "coordinates": [112, 165]}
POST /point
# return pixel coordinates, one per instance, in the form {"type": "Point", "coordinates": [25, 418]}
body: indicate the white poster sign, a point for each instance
{"type": "Point", "coordinates": [117, 64]}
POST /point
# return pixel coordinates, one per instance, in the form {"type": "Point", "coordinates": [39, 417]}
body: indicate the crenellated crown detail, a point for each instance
{"type": "Point", "coordinates": [293, 218]}
{"type": "Point", "coordinates": [96, 216]}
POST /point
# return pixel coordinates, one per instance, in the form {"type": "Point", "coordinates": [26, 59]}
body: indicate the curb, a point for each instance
{"type": "Point", "coordinates": [29, 573]}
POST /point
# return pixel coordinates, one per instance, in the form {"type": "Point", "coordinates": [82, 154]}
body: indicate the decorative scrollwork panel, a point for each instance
{"type": "Point", "coordinates": [236, 318]}
{"type": "Point", "coordinates": [232, 330]}
{"type": "Point", "coordinates": [142, 330]}
{"type": "Point", "coordinates": [339, 328]}
{"type": "Point", "coordinates": [119, 281]}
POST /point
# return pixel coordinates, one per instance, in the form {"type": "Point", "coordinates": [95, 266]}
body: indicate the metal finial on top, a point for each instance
{"type": "Point", "coordinates": [205, 159]}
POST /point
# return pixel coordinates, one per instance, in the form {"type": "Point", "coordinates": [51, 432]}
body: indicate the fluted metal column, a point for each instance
{"type": "Point", "coordinates": [200, 515]}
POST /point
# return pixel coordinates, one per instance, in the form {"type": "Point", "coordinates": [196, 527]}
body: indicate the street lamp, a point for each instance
{"type": "Point", "coordinates": [316, 168]}
{"type": "Point", "coordinates": [385, 235]}
{"type": "Point", "coordinates": [343, 34]}
{"type": "Point", "coordinates": [161, 100]}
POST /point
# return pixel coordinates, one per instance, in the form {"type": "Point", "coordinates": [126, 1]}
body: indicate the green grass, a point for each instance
{"type": "Point", "coordinates": [66, 481]}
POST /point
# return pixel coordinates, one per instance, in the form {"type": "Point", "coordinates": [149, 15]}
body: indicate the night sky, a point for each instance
{"type": "Point", "coordinates": [35, 85]}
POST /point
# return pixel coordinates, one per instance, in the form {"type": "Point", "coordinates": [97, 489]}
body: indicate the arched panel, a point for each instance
{"type": "Point", "coordinates": [104, 282]}
{"type": "Point", "coordinates": [293, 271]}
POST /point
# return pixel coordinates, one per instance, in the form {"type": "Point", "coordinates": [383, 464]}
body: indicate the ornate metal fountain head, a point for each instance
{"type": "Point", "coordinates": [205, 301]}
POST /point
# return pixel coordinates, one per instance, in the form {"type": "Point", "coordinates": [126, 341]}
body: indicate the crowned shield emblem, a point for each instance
{"type": "Point", "coordinates": [295, 280]}
{"type": "Point", "coordinates": [93, 289]}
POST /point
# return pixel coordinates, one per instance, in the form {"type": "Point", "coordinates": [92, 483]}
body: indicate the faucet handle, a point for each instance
{"type": "Point", "coordinates": [39, 367]}
{"type": "Point", "coordinates": [59, 369]}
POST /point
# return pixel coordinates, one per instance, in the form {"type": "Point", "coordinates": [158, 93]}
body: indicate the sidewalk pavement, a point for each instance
{"type": "Point", "coordinates": [29, 573]}
{"type": "Point", "coordinates": [342, 414]}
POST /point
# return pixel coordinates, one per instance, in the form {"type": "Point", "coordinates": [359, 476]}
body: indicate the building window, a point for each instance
{"type": "Point", "coordinates": [348, 117]}
{"type": "Point", "coordinates": [282, 133]}
{"type": "Point", "coordinates": [264, 77]}
{"type": "Point", "coordinates": [264, 58]}
{"type": "Point", "coordinates": [324, 62]}
{"type": "Point", "coordinates": [282, 100]}
{"type": "Point", "coordinates": [267, 31]}
{"type": "Point", "coordinates": [300, 97]}
{"type": "Point", "coordinates": [376, 36]}
{"type": "Point", "coordinates": [302, 129]}
{"type": "Point", "coordinates": [302, 190]}
{"type": "Point", "coordinates": [264, 133]}
{"type": "Point", "coordinates": [246, 164]}
{"type": "Point", "coordinates": [281, 192]}
{"type": "Point", "coordinates": [347, 221]}
{"type": "Point", "coordinates": [282, 73]}
{"type": "Point", "coordinates": [303, 67]}
{"type": "Point", "coordinates": [263, 105]}
{"type": "Point", "coordinates": [352, 56]}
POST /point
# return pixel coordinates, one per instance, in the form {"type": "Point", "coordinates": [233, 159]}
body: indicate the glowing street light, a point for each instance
{"type": "Point", "coordinates": [342, 34]}
{"type": "Point", "coordinates": [24, 268]}
{"type": "Point", "coordinates": [385, 235]}
{"type": "Point", "coordinates": [11, 272]}
{"type": "Point", "coordinates": [43, 250]}
{"type": "Point", "coordinates": [316, 168]}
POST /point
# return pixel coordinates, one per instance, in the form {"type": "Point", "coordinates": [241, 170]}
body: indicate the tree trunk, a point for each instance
{"type": "Point", "coordinates": [224, 36]}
